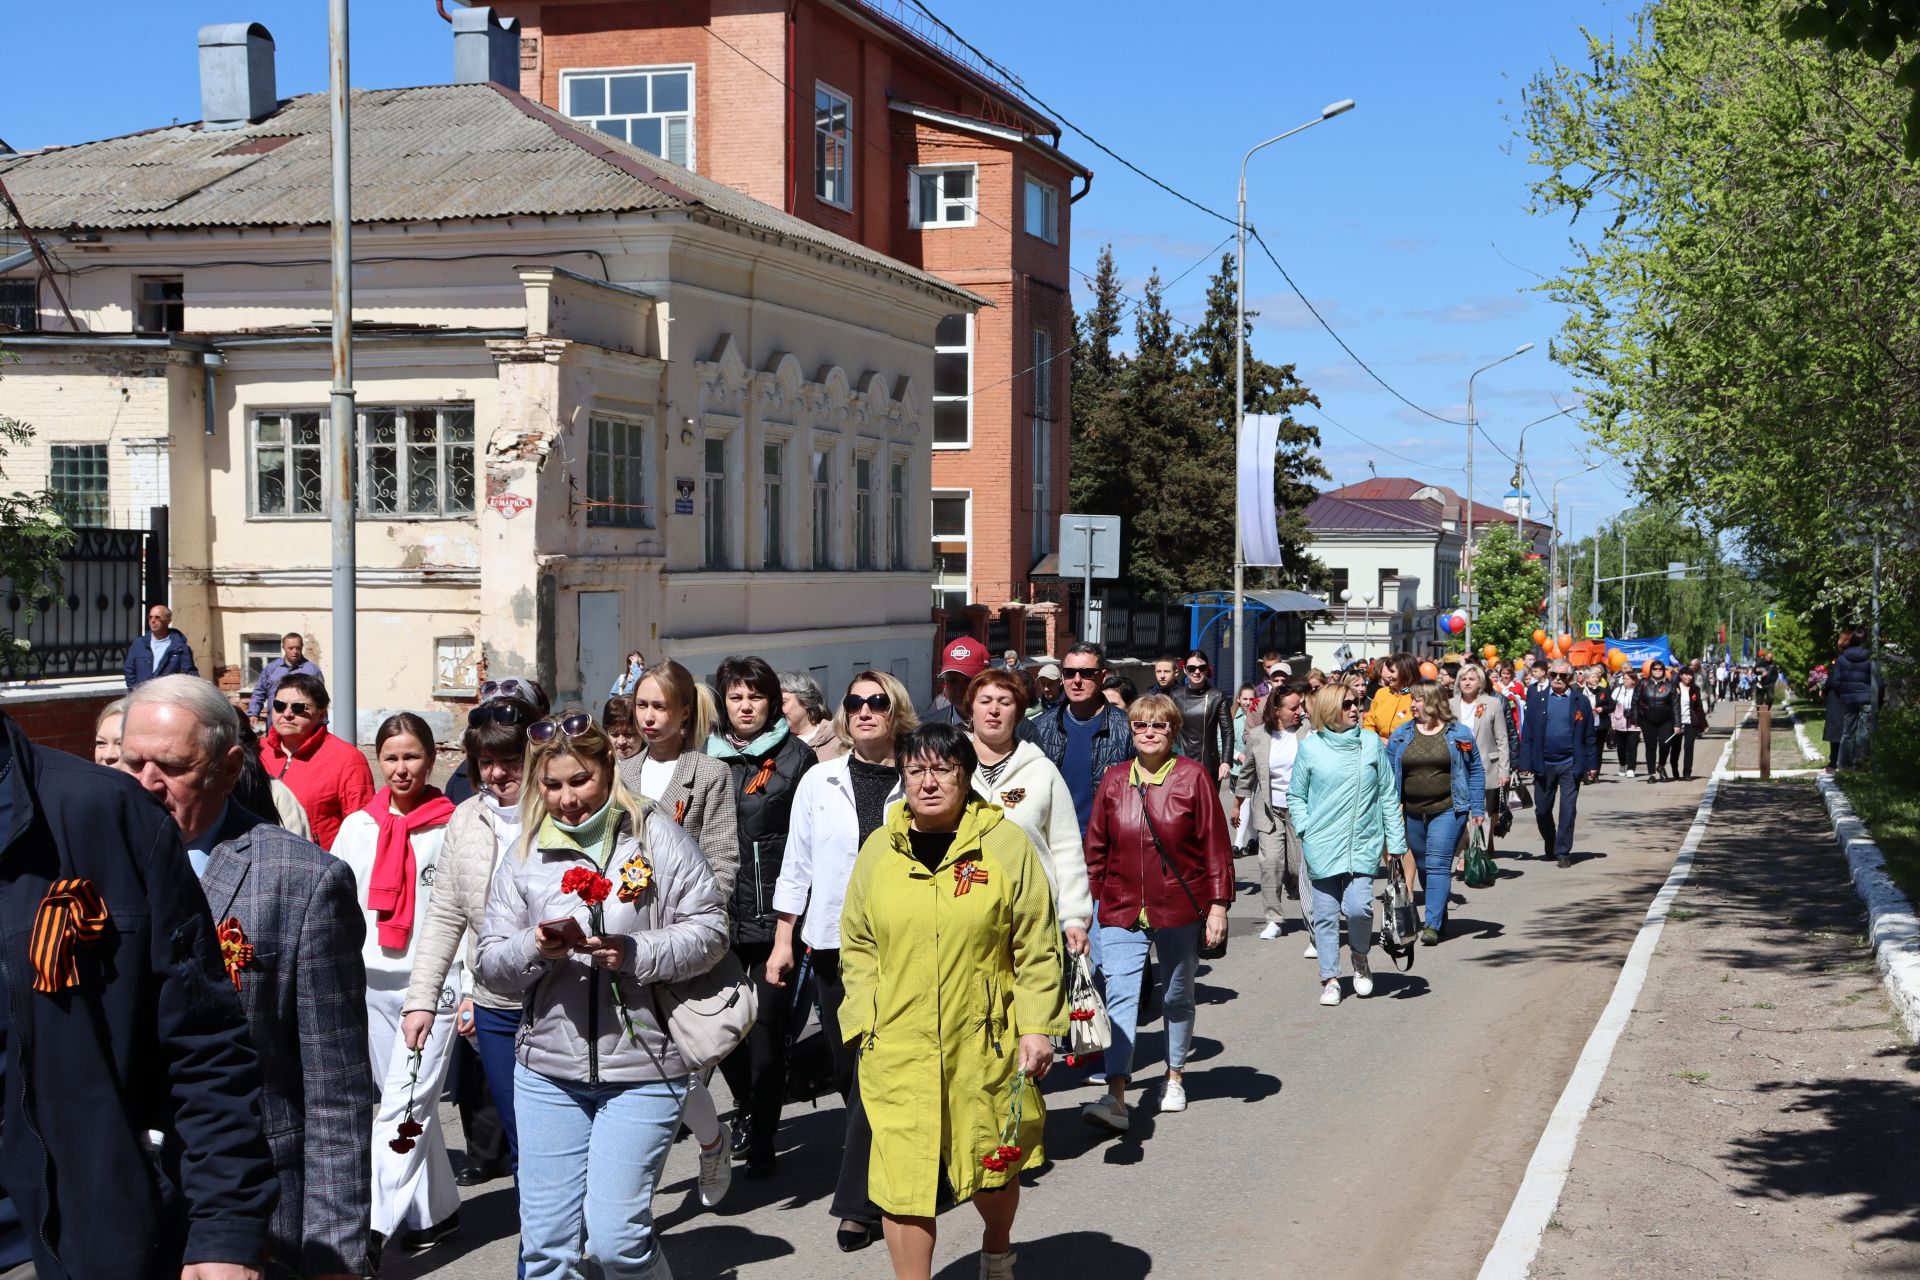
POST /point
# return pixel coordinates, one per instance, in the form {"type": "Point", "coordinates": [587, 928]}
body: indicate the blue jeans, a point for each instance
{"type": "Point", "coordinates": [1556, 838]}
{"type": "Point", "coordinates": [592, 1156]}
{"type": "Point", "coordinates": [493, 1037]}
{"type": "Point", "coordinates": [1432, 840]}
{"type": "Point", "coordinates": [1333, 897]}
{"type": "Point", "coordinates": [1122, 959]}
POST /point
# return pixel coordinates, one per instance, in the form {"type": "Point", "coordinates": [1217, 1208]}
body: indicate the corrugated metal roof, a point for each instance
{"type": "Point", "coordinates": [1396, 514]}
{"type": "Point", "coordinates": [442, 152]}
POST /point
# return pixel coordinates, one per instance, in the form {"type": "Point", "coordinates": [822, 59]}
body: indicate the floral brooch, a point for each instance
{"type": "Point", "coordinates": [635, 876]}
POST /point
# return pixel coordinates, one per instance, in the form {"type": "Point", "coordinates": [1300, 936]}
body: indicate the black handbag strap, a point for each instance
{"type": "Point", "coordinates": [1165, 861]}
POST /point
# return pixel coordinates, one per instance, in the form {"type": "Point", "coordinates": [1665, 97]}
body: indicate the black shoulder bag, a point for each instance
{"type": "Point", "coordinates": [1206, 952]}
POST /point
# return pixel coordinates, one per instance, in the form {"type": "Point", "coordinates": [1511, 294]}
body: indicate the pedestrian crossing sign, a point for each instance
{"type": "Point", "coordinates": [1596, 629]}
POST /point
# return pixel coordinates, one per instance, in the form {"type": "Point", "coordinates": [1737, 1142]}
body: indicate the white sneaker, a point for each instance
{"type": "Point", "coordinates": [1632, 773]}
{"type": "Point", "coordinates": [716, 1168]}
{"type": "Point", "coordinates": [1362, 977]}
{"type": "Point", "coordinates": [1330, 994]}
{"type": "Point", "coordinates": [1173, 1095]}
{"type": "Point", "coordinates": [1107, 1113]}
{"type": "Point", "coordinates": [1271, 932]}
{"type": "Point", "coordinates": [1312, 952]}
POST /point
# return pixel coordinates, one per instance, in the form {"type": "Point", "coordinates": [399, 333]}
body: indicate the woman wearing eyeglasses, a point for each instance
{"type": "Point", "coordinates": [328, 775]}
{"type": "Point", "coordinates": [1346, 808]}
{"type": "Point", "coordinates": [1016, 775]}
{"type": "Point", "coordinates": [1162, 876]}
{"type": "Point", "coordinates": [394, 847]}
{"type": "Point", "coordinates": [767, 763]}
{"type": "Point", "coordinates": [483, 828]}
{"type": "Point", "coordinates": [951, 955]}
{"type": "Point", "coordinates": [599, 1085]}
{"type": "Point", "coordinates": [696, 791]}
{"type": "Point", "coordinates": [840, 804]}
{"type": "Point", "coordinates": [1656, 711]}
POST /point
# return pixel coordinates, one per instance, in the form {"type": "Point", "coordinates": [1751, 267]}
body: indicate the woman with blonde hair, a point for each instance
{"type": "Point", "coordinates": [838, 805]}
{"type": "Point", "coordinates": [1441, 778]}
{"type": "Point", "coordinates": [1345, 808]}
{"type": "Point", "coordinates": [106, 733]}
{"type": "Point", "coordinates": [604, 897]}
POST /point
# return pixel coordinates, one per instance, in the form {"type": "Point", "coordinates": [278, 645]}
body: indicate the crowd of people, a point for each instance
{"type": "Point", "coordinates": [921, 883]}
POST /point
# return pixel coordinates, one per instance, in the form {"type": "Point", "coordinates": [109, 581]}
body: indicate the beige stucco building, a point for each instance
{"type": "Point", "coordinates": [603, 403]}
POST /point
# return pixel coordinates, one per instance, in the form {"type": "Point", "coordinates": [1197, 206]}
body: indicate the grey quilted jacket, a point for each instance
{"type": "Point", "coordinates": [457, 909]}
{"type": "Point", "coordinates": [569, 1027]}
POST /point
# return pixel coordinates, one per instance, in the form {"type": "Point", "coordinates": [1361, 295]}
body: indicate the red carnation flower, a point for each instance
{"type": "Point", "coordinates": [409, 1129]}
{"type": "Point", "coordinates": [591, 887]}
{"type": "Point", "coordinates": [402, 1145]}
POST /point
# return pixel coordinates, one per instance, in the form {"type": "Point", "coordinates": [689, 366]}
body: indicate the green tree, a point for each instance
{"type": "Point", "coordinates": [1876, 29]}
{"type": "Point", "coordinates": [1510, 587]}
{"type": "Point", "coordinates": [33, 537]}
{"type": "Point", "coordinates": [1099, 482]}
{"type": "Point", "coordinates": [1174, 541]}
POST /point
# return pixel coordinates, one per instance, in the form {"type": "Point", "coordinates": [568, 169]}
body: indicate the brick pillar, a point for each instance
{"type": "Point", "coordinates": [1054, 618]}
{"type": "Point", "coordinates": [1016, 619]}
{"type": "Point", "coordinates": [977, 616]}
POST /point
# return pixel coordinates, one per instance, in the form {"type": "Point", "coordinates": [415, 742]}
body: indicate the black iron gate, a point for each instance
{"type": "Point", "coordinates": [84, 627]}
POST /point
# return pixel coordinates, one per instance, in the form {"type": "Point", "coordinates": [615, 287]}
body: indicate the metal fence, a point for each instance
{"type": "Point", "coordinates": [83, 628]}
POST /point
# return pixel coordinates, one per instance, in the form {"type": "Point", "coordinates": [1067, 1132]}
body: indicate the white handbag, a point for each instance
{"type": "Point", "coordinates": [1088, 1030]}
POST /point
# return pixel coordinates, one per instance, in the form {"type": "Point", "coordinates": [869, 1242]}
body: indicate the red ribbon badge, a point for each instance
{"type": "Point", "coordinates": [236, 953]}
{"type": "Point", "coordinates": [966, 875]}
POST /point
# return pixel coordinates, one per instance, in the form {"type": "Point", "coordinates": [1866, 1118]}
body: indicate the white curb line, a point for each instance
{"type": "Point", "coordinates": [1518, 1243]}
{"type": "Point", "coordinates": [1891, 924]}
{"type": "Point", "coordinates": [1800, 735]}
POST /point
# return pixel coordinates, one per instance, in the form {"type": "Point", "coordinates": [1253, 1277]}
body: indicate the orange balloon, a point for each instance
{"type": "Point", "coordinates": [1490, 651]}
{"type": "Point", "coordinates": [1564, 641]}
{"type": "Point", "coordinates": [1429, 672]}
{"type": "Point", "coordinates": [1540, 637]}
{"type": "Point", "coordinates": [1616, 661]}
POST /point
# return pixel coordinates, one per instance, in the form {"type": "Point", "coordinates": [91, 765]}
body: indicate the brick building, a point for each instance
{"type": "Point", "coordinates": [843, 113]}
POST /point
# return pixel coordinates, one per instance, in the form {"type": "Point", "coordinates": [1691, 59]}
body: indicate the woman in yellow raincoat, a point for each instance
{"type": "Point", "coordinates": [950, 953]}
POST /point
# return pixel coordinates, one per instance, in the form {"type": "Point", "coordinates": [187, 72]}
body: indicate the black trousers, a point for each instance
{"type": "Point", "coordinates": [756, 1072]}
{"type": "Point", "coordinates": [1683, 754]}
{"type": "Point", "coordinates": [850, 1202]}
{"type": "Point", "coordinates": [1626, 746]}
{"type": "Point", "coordinates": [479, 1118]}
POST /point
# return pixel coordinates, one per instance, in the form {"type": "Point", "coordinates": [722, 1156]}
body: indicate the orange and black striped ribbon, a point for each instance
{"type": "Point", "coordinates": [73, 912]}
{"type": "Point", "coordinates": [680, 812]}
{"type": "Point", "coordinates": [759, 782]}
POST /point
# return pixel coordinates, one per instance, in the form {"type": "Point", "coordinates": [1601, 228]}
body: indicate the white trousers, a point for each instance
{"type": "Point", "coordinates": [415, 1189]}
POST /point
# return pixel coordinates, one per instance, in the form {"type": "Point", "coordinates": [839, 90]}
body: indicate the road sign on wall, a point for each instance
{"type": "Point", "coordinates": [1596, 629]}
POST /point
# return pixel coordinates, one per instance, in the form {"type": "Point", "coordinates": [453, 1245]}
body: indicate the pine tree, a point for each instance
{"type": "Point", "coordinates": [1100, 444]}
{"type": "Point", "coordinates": [1182, 469]}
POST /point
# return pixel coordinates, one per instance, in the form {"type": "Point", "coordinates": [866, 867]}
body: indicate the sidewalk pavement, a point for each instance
{"type": "Point", "coordinates": [1760, 1113]}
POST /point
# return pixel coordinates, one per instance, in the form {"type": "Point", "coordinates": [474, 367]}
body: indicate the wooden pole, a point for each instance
{"type": "Point", "coordinates": [1766, 739]}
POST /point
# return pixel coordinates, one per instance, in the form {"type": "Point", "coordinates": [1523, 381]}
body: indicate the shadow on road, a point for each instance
{"type": "Point", "coordinates": [1071, 1253]}
{"type": "Point", "coordinates": [483, 1220]}
{"type": "Point", "coordinates": [722, 1248]}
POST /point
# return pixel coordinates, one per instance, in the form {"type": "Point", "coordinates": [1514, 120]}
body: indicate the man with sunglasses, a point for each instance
{"type": "Point", "coordinates": [293, 657]}
{"type": "Point", "coordinates": [1559, 748]}
{"type": "Point", "coordinates": [1084, 734]}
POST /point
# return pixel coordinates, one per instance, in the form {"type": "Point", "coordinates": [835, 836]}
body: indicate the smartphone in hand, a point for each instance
{"type": "Point", "coordinates": [567, 930]}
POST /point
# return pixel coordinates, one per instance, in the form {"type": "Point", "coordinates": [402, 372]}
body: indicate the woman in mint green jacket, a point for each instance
{"type": "Point", "coordinates": [1346, 809]}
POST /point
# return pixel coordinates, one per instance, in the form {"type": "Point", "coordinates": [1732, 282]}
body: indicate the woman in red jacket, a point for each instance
{"type": "Point", "coordinates": [328, 775]}
{"type": "Point", "coordinates": [1162, 876]}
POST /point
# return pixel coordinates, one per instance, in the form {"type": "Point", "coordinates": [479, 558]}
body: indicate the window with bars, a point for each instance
{"type": "Point", "coordinates": [18, 309]}
{"type": "Point", "coordinates": [714, 495]}
{"type": "Point", "coordinates": [617, 474]}
{"type": "Point", "coordinates": [832, 147]}
{"type": "Point", "coordinates": [416, 461]}
{"type": "Point", "coordinates": [651, 107]}
{"type": "Point", "coordinates": [897, 515]}
{"type": "Point", "coordinates": [773, 483]}
{"type": "Point", "coordinates": [289, 463]}
{"type": "Point", "coordinates": [953, 382]}
{"type": "Point", "coordinates": [863, 540]}
{"type": "Point", "coordinates": [943, 196]}
{"type": "Point", "coordinates": [78, 478]}
{"type": "Point", "coordinates": [952, 541]}
{"type": "Point", "coordinates": [159, 304]}
{"type": "Point", "coordinates": [821, 479]}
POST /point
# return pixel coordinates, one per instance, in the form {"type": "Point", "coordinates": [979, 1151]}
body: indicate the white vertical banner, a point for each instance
{"type": "Point", "coordinates": [1259, 534]}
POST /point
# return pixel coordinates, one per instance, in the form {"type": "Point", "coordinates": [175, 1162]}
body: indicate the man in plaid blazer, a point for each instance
{"type": "Point", "coordinates": [292, 932]}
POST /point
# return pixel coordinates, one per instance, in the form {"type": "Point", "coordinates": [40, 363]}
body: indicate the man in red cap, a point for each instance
{"type": "Point", "coordinates": [962, 660]}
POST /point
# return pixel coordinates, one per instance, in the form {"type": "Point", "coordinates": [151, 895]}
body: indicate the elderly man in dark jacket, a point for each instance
{"type": "Point", "coordinates": [1559, 747]}
{"type": "Point", "coordinates": [305, 987]}
{"type": "Point", "coordinates": [159, 651]}
{"type": "Point", "coordinates": [119, 1019]}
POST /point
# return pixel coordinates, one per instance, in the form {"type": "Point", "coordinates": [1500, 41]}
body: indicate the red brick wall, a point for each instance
{"type": "Point", "coordinates": [62, 723]}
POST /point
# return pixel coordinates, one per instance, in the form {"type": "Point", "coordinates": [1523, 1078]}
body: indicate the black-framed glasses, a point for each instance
{"type": "Point", "coordinates": [1201, 667]}
{"type": "Point", "coordinates": [878, 703]}
{"type": "Point", "coordinates": [1348, 704]}
{"type": "Point", "coordinates": [573, 726]}
{"type": "Point", "coordinates": [1080, 673]}
{"type": "Point", "coordinates": [292, 708]}
{"type": "Point", "coordinates": [504, 711]}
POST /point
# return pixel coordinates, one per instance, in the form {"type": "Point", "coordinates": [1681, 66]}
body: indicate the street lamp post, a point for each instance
{"type": "Point", "coordinates": [1327, 112]}
{"type": "Point", "coordinates": [1520, 464]}
{"type": "Point", "coordinates": [1472, 423]}
{"type": "Point", "coordinates": [1553, 557]}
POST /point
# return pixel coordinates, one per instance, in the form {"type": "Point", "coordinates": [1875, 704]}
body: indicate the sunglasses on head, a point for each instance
{"type": "Point", "coordinates": [573, 726]}
{"type": "Point", "coordinates": [878, 703]}
{"type": "Point", "coordinates": [507, 687]}
{"type": "Point", "coordinates": [292, 708]}
{"type": "Point", "coordinates": [505, 711]}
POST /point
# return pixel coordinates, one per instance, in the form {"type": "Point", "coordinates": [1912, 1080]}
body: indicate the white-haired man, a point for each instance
{"type": "Point", "coordinates": [292, 932]}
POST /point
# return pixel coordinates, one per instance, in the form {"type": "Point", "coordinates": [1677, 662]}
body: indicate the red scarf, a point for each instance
{"type": "Point", "coordinates": [391, 886]}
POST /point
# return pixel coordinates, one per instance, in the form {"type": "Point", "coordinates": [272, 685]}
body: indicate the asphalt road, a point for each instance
{"type": "Point", "coordinates": [1382, 1138]}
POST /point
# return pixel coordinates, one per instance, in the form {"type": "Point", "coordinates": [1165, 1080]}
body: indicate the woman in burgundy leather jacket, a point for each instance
{"type": "Point", "coordinates": [1142, 898]}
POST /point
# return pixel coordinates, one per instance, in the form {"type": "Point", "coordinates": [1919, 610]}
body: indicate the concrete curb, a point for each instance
{"type": "Point", "coordinates": [1518, 1243]}
{"type": "Point", "coordinates": [1891, 924]}
{"type": "Point", "coordinates": [1800, 736]}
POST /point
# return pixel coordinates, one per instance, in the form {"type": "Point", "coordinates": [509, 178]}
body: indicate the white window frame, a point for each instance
{"type": "Point", "coordinates": [843, 199]}
{"type": "Point", "coordinates": [866, 524]}
{"type": "Point", "coordinates": [99, 505]}
{"type": "Point", "coordinates": [266, 648]}
{"type": "Point", "coordinates": [724, 433]}
{"type": "Point", "coordinates": [968, 206]}
{"type": "Point", "coordinates": [937, 399]}
{"type": "Point", "coordinates": [776, 525]}
{"type": "Point", "coordinates": [899, 525]}
{"type": "Point", "coordinates": [321, 449]}
{"type": "Point", "coordinates": [637, 515]}
{"type": "Point", "coordinates": [455, 655]}
{"type": "Point", "coordinates": [935, 538]}
{"type": "Point", "coordinates": [1051, 195]}
{"type": "Point", "coordinates": [402, 417]}
{"type": "Point", "coordinates": [573, 75]}
{"type": "Point", "coordinates": [825, 538]}
{"type": "Point", "coordinates": [145, 308]}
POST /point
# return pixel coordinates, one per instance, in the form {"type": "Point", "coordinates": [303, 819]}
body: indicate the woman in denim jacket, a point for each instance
{"type": "Point", "coordinates": [1442, 783]}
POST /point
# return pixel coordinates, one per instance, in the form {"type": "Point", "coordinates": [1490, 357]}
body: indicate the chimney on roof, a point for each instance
{"type": "Point", "coordinates": [236, 75]}
{"type": "Point", "coordinates": [486, 49]}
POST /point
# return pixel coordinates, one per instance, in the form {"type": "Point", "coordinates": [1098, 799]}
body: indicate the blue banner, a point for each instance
{"type": "Point", "coordinates": [1640, 652]}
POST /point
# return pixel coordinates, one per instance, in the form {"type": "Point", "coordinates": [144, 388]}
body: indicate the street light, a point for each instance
{"type": "Point", "coordinates": [1520, 462]}
{"type": "Point", "coordinates": [1327, 112]}
{"type": "Point", "coordinates": [1553, 548]}
{"type": "Point", "coordinates": [1472, 422]}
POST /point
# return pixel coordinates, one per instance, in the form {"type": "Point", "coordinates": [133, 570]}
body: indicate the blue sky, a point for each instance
{"type": "Point", "coordinates": [1404, 220]}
